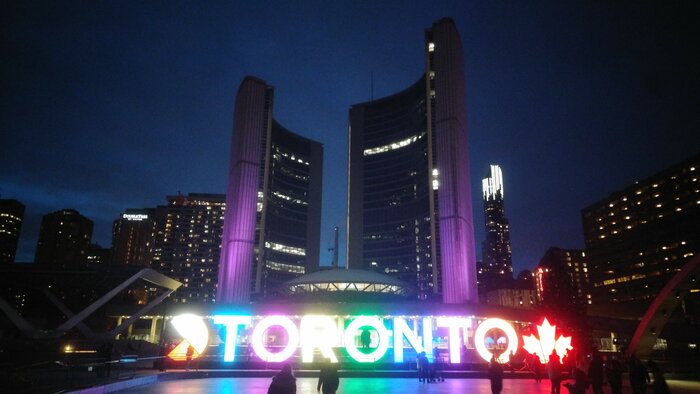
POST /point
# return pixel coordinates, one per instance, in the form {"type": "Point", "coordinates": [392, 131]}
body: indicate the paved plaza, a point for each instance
{"type": "Point", "coordinates": [370, 386]}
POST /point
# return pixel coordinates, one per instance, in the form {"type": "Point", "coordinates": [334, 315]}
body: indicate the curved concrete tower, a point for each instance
{"type": "Point", "coordinates": [409, 195]}
{"type": "Point", "coordinates": [273, 201]}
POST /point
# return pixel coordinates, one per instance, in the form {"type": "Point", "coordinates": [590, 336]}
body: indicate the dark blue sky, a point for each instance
{"type": "Point", "coordinates": [114, 105]}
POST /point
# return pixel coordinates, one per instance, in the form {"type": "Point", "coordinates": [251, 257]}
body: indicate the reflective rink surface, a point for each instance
{"type": "Point", "coordinates": [375, 385]}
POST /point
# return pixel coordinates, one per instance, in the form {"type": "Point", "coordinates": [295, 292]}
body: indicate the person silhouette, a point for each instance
{"type": "Point", "coordinates": [423, 367]}
{"type": "Point", "coordinates": [495, 375]}
{"type": "Point", "coordinates": [284, 382]}
{"type": "Point", "coordinates": [328, 380]}
{"type": "Point", "coordinates": [554, 372]}
{"type": "Point", "coordinates": [365, 338]}
{"type": "Point", "coordinates": [188, 357]}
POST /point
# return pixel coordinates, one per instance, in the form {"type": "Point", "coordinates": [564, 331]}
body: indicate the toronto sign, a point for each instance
{"type": "Point", "coordinates": [276, 338]}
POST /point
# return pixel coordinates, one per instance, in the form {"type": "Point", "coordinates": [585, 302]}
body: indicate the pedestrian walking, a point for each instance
{"type": "Point", "coordinates": [580, 384]}
{"type": "Point", "coordinates": [284, 382]}
{"type": "Point", "coordinates": [537, 368]}
{"type": "Point", "coordinates": [639, 377]}
{"type": "Point", "coordinates": [423, 367]}
{"type": "Point", "coordinates": [554, 372]}
{"type": "Point", "coordinates": [188, 357]}
{"type": "Point", "coordinates": [613, 370]}
{"type": "Point", "coordinates": [495, 375]}
{"type": "Point", "coordinates": [328, 380]}
{"type": "Point", "coordinates": [595, 374]}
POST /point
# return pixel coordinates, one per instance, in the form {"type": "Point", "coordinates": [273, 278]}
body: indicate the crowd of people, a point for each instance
{"type": "Point", "coordinates": [583, 376]}
{"type": "Point", "coordinates": [594, 372]}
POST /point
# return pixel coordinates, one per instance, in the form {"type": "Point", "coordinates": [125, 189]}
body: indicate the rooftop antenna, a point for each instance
{"type": "Point", "coordinates": [371, 88]}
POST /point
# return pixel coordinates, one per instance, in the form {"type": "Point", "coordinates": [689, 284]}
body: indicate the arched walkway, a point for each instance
{"type": "Point", "coordinates": [661, 309]}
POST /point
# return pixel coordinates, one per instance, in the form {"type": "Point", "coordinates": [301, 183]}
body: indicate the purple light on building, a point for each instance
{"type": "Point", "coordinates": [273, 203]}
{"type": "Point", "coordinates": [454, 194]}
{"type": "Point", "coordinates": [250, 124]}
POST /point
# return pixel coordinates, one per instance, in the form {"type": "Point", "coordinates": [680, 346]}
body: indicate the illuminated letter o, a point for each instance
{"type": "Point", "coordinates": [259, 332]}
{"type": "Point", "coordinates": [480, 336]}
{"type": "Point", "coordinates": [352, 329]}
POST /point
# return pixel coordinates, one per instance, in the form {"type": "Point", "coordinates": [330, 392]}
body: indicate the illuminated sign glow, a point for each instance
{"type": "Point", "coordinates": [320, 332]}
{"type": "Point", "coordinates": [231, 323]}
{"type": "Point", "coordinates": [544, 346]}
{"type": "Point", "coordinates": [268, 334]}
{"type": "Point", "coordinates": [491, 324]}
{"type": "Point", "coordinates": [401, 331]}
{"type": "Point", "coordinates": [194, 332]}
{"type": "Point", "coordinates": [135, 216]}
{"type": "Point", "coordinates": [352, 331]}
{"type": "Point", "coordinates": [292, 335]}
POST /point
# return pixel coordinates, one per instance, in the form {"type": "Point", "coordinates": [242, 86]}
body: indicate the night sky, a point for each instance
{"type": "Point", "coordinates": [114, 105]}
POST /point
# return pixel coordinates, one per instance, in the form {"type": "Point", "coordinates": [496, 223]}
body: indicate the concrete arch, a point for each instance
{"type": "Point", "coordinates": [656, 317]}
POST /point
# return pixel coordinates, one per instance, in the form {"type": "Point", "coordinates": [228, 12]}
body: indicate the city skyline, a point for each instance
{"type": "Point", "coordinates": [572, 102]}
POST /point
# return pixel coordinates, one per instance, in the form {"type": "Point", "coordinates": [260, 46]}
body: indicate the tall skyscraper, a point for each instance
{"type": "Point", "coordinates": [273, 203]}
{"type": "Point", "coordinates": [409, 198]}
{"type": "Point", "coordinates": [64, 239]}
{"type": "Point", "coordinates": [133, 237]}
{"type": "Point", "coordinates": [11, 216]}
{"type": "Point", "coordinates": [497, 267]}
{"type": "Point", "coordinates": [188, 244]}
{"type": "Point", "coordinates": [640, 236]}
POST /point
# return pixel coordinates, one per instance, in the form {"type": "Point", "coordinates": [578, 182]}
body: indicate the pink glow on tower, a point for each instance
{"type": "Point", "coordinates": [238, 240]}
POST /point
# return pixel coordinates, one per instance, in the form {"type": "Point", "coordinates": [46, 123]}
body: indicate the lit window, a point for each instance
{"type": "Point", "coordinates": [285, 249]}
{"type": "Point", "coordinates": [431, 46]}
{"type": "Point", "coordinates": [393, 146]}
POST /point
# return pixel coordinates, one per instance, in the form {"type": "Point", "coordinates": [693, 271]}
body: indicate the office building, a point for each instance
{"type": "Point", "coordinates": [133, 237]}
{"type": "Point", "coordinates": [187, 246]}
{"type": "Point", "coordinates": [64, 239]}
{"type": "Point", "coordinates": [512, 298]}
{"type": "Point", "coordinates": [640, 236]}
{"type": "Point", "coordinates": [496, 270]}
{"type": "Point", "coordinates": [409, 198]}
{"type": "Point", "coordinates": [97, 256]}
{"type": "Point", "coordinates": [273, 203]}
{"type": "Point", "coordinates": [562, 279]}
{"type": "Point", "coordinates": [11, 216]}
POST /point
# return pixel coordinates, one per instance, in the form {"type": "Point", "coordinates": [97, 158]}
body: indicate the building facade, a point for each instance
{"type": "Point", "coordinates": [496, 270]}
{"type": "Point", "coordinates": [562, 277]}
{"type": "Point", "coordinates": [64, 239]}
{"type": "Point", "coordinates": [640, 236]}
{"type": "Point", "coordinates": [273, 216]}
{"type": "Point", "coordinates": [187, 246]}
{"type": "Point", "coordinates": [409, 198]}
{"type": "Point", "coordinates": [512, 298]}
{"type": "Point", "coordinates": [133, 237]}
{"type": "Point", "coordinates": [11, 217]}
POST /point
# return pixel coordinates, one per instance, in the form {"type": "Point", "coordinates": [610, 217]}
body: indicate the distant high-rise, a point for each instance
{"type": "Point", "coordinates": [640, 236]}
{"type": "Point", "coordinates": [562, 279]}
{"type": "Point", "coordinates": [133, 237]}
{"type": "Point", "coordinates": [11, 216]}
{"type": "Point", "coordinates": [273, 204]}
{"type": "Point", "coordinates": [64, 239]}
{"type": "Point", "coordinates": [497, 267]}
{"type": "Point", "coordinates": [97, 256]}
{"type": "Point", "coordinates": [188, 244]}
{"type": "Point", "coordinates": [409, 198]}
